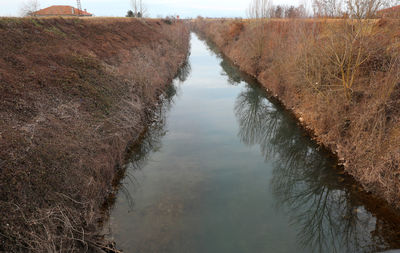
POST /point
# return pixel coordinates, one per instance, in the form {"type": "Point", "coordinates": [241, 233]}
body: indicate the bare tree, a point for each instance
{"type": "Point", "coordinates": [301, 11]}
{"type": "Point", "coordinates": [291, 12]}
{"type": "Point", "coordinates": [29, 7]}
{"type": "Point", "coordinates": [328, 8]}
{"type": "Point", "coordinates": [307, 5]}
{"type": "Point", "coordinates": [358, 9]}
{"type": "Point", "coordinates": [365, 8]}
{"type": "Point", "coordinates": [139, 9]}
{"type": "Point", "coordinates": [259, 9]}
{"type": "Point", "coordinates": [278, 12]}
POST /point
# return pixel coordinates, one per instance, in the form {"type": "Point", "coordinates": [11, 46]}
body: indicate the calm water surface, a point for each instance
{"type": "Point", "coordinates": [223, 169]}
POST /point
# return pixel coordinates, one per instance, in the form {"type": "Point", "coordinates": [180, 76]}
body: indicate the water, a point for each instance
{"type": "Point", "coordinates": [223, 169]}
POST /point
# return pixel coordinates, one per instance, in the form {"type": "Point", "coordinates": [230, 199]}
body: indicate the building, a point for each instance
{"type": "Point", "coordinates": [392, 12]}
{"type": "Point", "coordinates": [61, 10]}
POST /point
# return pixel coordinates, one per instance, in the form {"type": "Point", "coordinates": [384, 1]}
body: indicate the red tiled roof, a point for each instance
{"type": "Point", "coordinates": [61, 10]}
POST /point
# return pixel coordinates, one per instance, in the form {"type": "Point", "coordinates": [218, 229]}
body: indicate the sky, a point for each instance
{"type": "Point", "coordinates": [184, 8]}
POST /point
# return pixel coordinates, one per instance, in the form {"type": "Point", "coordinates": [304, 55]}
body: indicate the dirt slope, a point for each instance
{"type": "Point", "coordinates": [73, 93]}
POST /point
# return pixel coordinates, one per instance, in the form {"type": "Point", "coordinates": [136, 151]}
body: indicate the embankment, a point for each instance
{"type": "Point", "coordinates": [341, 78]}
{"type": "Point", "coordinates": [73, 93]}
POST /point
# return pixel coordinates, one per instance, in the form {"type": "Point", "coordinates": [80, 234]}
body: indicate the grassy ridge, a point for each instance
{"type": "Point", "coordinates": [73, 93]}
{"type": "Point", "coordinates": [340, 77]}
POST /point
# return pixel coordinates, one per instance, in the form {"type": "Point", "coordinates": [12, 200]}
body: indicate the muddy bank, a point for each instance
{"type": "Point", "coordinates": [73, 94]}
{"type": "Point", "coordinates": [340, 79]}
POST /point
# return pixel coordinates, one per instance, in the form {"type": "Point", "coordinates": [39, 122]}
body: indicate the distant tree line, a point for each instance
{"type": "Point", "coordinates": [358, 9]}
{"type": "Point", "coordinates": [131, 14]}
{"type": "Point", "coordinates": [285, 11]}
{"type": "Point", "coordinates": [265, 9]}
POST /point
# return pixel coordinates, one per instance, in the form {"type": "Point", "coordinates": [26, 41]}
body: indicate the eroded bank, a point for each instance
{"type": "Point", "coordinates": [73, 94]}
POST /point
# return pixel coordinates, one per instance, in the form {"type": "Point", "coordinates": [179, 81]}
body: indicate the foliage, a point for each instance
{"type": "Point", "coordinates": [130, 14]}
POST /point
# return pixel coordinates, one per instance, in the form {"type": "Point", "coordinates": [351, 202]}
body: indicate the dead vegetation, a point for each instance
{"type": "Point", "coordinates": [341, 77]}
{"type": "Point", "coordinates": [73, 93]}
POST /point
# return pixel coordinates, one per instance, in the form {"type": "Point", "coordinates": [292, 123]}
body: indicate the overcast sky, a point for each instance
{"type": "Point", "coordinates": [184, 8]}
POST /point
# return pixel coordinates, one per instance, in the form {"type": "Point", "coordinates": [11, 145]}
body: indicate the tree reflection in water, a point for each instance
{"type": "Point", "coordinates": [184, 72]}
{"type": "Point", "coordinates": [304, 183]}
{"type": "Point", "coordinates": [330, 212]}
{"type": "Point", "coordinates": [231, 72]}
{"type": "Point", "coordinates": [150, 141]}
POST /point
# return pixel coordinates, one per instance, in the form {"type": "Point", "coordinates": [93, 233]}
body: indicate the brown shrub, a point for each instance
{"type": "Point", "coordinates": [234, 31]}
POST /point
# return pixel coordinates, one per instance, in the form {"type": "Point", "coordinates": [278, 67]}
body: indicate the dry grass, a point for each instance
{"type": "Point", "coordinates": [73, 92]}
{"type": "Point", "coordinates": [341, 77]}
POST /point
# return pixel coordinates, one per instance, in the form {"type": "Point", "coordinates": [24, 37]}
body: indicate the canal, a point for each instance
{"type": "Point", "coordinates": [225, 169]}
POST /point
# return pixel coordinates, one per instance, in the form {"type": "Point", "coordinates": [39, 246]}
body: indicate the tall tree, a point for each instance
{"type": "Point", "coordinates": [139, 8]}
{"type": "Point", "coordinates": [259, 9]}
{"type": "Point", "coordinates": [328, 8]}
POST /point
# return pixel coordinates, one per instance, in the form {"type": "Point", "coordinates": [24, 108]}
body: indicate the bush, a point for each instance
{"type": "Point", "coordinates": [130, 14]}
